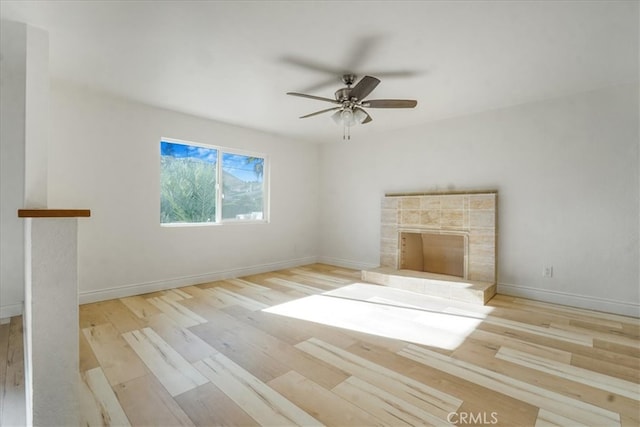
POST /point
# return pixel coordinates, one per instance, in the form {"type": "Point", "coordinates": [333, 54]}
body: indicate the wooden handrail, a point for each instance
{"type": "Point", "coordinates": [53, 213]}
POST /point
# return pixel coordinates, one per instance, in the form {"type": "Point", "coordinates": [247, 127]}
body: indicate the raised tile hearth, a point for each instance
{"type": "Point", "coordinates": [423, 235]}
{"type": "Point", "coordinates": [437, 285]}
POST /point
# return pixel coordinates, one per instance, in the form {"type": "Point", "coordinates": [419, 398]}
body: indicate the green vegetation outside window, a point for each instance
{"type": "Point", "coordinates": [194, 189]}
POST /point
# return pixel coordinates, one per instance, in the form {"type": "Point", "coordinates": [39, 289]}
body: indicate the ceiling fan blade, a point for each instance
{"type": "Point", "coordinates": [319, 98]}
{"type": "Point", "coordinates": [320, 112]}
{"type": "Point", "coordinates": [367, 119]}
{"type": "Point", "coordinates": [331, 82]}
{"type": "Point", "coordinates": [396, 74]}
{"type": "Point", "coordinates": [310, 64]}
{"type": "Point", "coordinates": [364, 87]}
{"type": "Point", "coordinates": [390, 103]}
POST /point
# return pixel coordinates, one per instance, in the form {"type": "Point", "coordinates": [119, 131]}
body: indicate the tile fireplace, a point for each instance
{"type": "Point", "coordinates": [443, 237]}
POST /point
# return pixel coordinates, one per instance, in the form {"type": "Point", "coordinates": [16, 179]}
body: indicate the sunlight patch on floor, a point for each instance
{"type": "Point", "coordinates": [388, 312]}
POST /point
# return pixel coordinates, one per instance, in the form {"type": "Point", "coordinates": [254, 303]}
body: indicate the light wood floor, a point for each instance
{"type": "Point", "coordinates": [239, 352]}
{"type": "Point", "coordinates": [12, 400]}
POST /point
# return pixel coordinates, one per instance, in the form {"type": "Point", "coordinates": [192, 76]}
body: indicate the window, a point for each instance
{"type": "Point", "coordinates": [202, 184]}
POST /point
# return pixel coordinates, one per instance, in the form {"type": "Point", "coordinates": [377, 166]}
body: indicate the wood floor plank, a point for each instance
{"type": "Point", "coordinates": [172, 370]}
{"type": "Point", "coordinates": [317, 281]}
{"type": "Point", "coordinates": [177, 294]}
{"type": "Point", "coordinates": [200, 291]}
{"type": "Point", "coordinates": [616, 337]}
{"type": "Point", "coordinates": [249, 285]}
{"type": "Point", "coordinates": [268, 297]}
{"type": "Point", "coordinates": [320, 403]}
{"type": "Point", "coordinates": [185, 342]}
{"type": "Point", "coordinates": [204, 306]}
{"type": "Point", "coordinates": [584, 376]}
{"type": "Point", "coordinates": [156, 409]}
{"type": "Point", "coordinates": [345, 273]}
{"type": "Point", "coordinates": [290, 284]}
{"type": "Point", "coordinates": [88, 359]}
{"type": "Point", "coordinates": [228, 336]}
{"type": "Point", "coordinates": [607, 368]}
{"type": "Point", "coordinates": [581, 313]}
{"type": "Point", "coordinates": [384, 405]}
{"type": "Point", "coordinates": [207, 405]}
{"type": "Point", "coordinates": [308, 272]}
{"type": "Point", "coordinates": [232, 298]}
{"type": "Point", "coordinates": [549, 419]}
{"type": "Point", "coordinates": [120, 316]}
{"type": "Point", "coordinates": [626, 348]}
{"type": "Point", "coordinates": [140, 306]}
{"type": "Point", "coordinates": [550, 332]}
{"type": "Point", "coordinates": [616, 328]}
{"type": "Point", "coordinates": [603, 354]}
{"type": "Point", "coordinates": [99, 405]}
{"type": "Point", "coordinates": [261, 402]}
{"type": "Point", "coordinates": [118, 361]}
{"type": "Point", "coordinates": [561, 356]}
{"type": "Point", "coordinates": [631, 330]}
{"type": "Point", "coordinates": [627, 421]}
{"type": "Point", "coordinates": [179, 313]}
{"type": "Point", "coordinates": [91, 315]}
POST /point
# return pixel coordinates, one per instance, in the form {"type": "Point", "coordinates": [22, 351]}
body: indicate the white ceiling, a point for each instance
{"type": "Point", "coordinates": [234, 61]}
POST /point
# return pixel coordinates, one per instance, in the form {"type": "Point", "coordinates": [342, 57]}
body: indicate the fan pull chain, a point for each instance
{"type": "Point", "coordinates": [346, 132]}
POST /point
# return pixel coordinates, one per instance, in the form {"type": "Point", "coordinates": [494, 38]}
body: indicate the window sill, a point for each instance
{"type": "Point", "coordinates": [212, 224]}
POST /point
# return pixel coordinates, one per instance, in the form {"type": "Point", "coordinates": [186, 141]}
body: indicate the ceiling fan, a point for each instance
{"type": "Point", "coordinates": [351, 103]}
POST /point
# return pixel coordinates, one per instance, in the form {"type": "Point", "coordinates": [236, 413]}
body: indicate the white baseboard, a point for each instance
{"type": "Point", "coordinates": [564, 298]}
{"type": "Point", "coordinates": [338, 262]}
{"type": "Point", "coordinates": [11, 310]}
{"type": "Point", "coordinates": [161, 285]}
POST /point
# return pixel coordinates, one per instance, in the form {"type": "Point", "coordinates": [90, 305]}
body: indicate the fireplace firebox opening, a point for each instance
{"type": "Point", "coordinates": [433, 253]}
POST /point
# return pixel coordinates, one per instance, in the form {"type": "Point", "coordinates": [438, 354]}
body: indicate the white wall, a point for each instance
{"type": "Point", "coordinates": [12, 121]}
{"type": "Point", "coordinates": [567, 174]}
{"type": "Point", "coordinates": [104, 155]}
{"type": "Point", "coordinates": [37, 119]}
{"type": "Point", "coordinates": [24, 80]}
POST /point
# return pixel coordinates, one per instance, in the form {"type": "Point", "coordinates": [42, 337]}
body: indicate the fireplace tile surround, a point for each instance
{"type": "Point", "coordinates": [472, 215]}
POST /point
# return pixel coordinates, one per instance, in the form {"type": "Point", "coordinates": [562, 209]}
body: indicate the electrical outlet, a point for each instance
{"type": "Point", "coordinates": [547, 271]}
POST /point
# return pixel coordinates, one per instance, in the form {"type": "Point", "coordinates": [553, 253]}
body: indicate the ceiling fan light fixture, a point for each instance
{"type": "Point", "coordinates": [359, 115]}
{"type": "Point", "coordinates": [337, 117]}
{"type": "Point", "coordinates": [347, 117]}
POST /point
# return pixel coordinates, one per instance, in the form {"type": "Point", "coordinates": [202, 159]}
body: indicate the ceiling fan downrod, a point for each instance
{"type": "Point", "coordinates": [348, 79]}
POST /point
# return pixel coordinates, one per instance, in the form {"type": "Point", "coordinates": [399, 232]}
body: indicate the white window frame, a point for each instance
{"type": "Point", "coordinates": [218, 190]}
